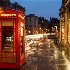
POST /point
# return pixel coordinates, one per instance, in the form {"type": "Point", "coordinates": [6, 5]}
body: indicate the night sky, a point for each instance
{"type": "Point", "coordinates": [43, 8]}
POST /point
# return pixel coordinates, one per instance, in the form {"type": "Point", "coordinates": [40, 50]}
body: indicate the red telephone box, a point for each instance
{"type": "Point", "coordinates": [12, 39]}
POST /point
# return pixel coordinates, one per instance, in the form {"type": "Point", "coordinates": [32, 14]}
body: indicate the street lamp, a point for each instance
{"type": "Point", "coordinates": [40, 30]}
{"type": "Point", "coordinates": [42, 20]}
{"type": "Point", "coordinates": [46, 30]}
{"type": "Point", "coordinates": [56, 30]}
{"type": "Point", "coordinates": [29, 31]}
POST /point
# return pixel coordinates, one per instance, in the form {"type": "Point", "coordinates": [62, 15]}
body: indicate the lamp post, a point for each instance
{"type": "Point", "coordinates": [43, 27]}
{"type": "Point", "coordinates": [40, 30]}
{"type": "Point", "coordinates": [56, 30]}
{"type": "Point", "coordinates": [29, 32]}
{"type": "Point", "coordinates": [46, 30]}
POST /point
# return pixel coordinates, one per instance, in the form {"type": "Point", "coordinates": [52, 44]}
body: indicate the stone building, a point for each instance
{"type": "Point", "coordinates": [43, 25]}
{"type": "Point", "coordinates": [65, 28]}
{"type": "Point", "coordinates": [31, 24]}
{"type": "Point", "coordinates": [55, 23]}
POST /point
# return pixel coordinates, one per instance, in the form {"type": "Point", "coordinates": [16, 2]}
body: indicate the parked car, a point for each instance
{"type": "Point", "coordinates": [51, 37]}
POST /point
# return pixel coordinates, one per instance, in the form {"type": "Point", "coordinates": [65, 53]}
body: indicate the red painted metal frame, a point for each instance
{"type": "Point", "coordinates": [17, 20]}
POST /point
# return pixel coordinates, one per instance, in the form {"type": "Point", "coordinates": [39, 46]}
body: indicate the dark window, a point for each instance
{"type": "Point", "coordinates": [30, 20]}
{"type": "Point", "coordinates": [7, 36]}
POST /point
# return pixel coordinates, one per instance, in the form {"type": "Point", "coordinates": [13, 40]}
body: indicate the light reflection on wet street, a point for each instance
{"type": "Point", "coordinates": [42, 54]}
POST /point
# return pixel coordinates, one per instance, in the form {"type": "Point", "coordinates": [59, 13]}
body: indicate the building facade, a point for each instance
{"type": "Point", "coordinates": [55, 23]}
{"type": "Point", "coordinates": [43, 28]}
{"type": "Point", "coordinates": [65, 28]}
{"type": "Point", "coordinates": [31, 24]}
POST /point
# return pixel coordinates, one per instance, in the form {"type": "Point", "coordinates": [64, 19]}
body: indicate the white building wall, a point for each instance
{"type": "Point", "coordinates": [32, 23]}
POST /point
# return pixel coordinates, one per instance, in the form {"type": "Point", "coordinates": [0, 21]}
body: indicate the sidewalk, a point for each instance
{"type": "Point", "coordinates": [46, 57]}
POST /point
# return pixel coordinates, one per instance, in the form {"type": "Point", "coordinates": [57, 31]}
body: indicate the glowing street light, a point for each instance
{"type": "Point", "coordinates": [1, 10]}
{"type": "Point", "coordinates": [46, 29]}
{"type": "Point", "coordinates": [29, 31]}
{"type": "Point", "coordinates": [40, 28]}
{"type": "Point", "coordinates": [42, 21]}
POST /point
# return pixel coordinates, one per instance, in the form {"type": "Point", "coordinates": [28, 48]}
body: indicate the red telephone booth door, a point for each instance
{"type": "Point", "coordinates": [8, 49]}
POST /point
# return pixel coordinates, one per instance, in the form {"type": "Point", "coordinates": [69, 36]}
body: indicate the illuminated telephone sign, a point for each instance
{"type": "Point", "coordinates": [8, 15]}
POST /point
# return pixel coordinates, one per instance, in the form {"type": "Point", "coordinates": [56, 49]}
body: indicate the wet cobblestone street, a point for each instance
{"type": "Point", "coordinates": [43, 55]}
